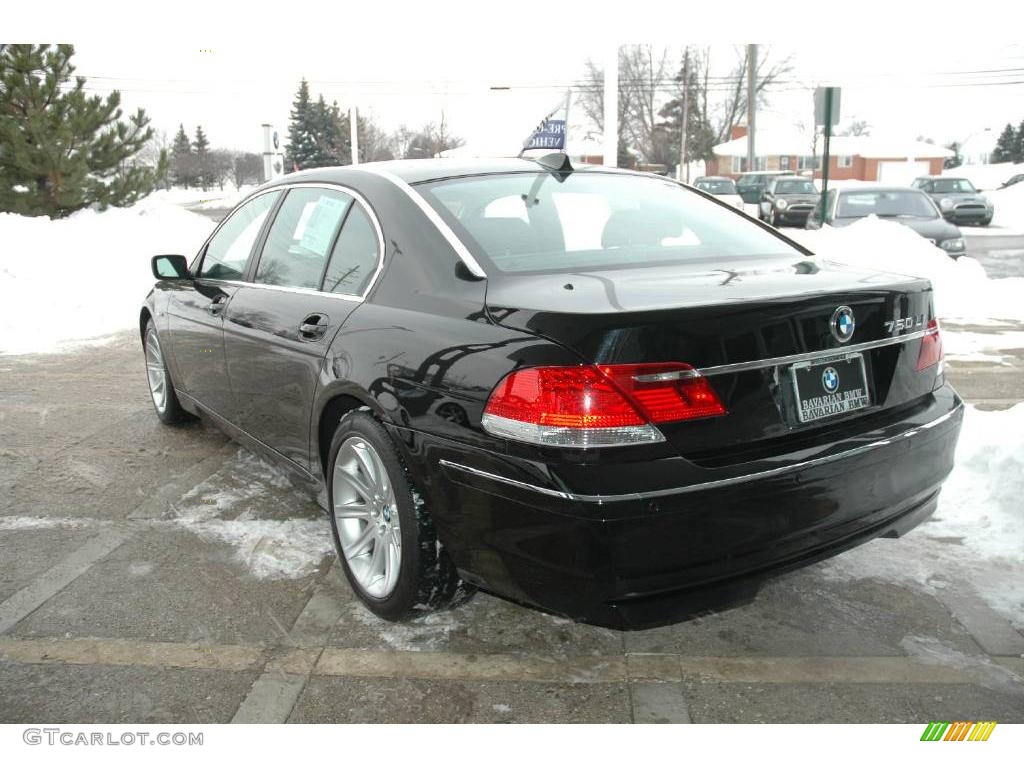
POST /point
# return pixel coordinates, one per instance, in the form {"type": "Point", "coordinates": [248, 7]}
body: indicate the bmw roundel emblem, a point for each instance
{"type": "Point", "coordinates": [843, 324]}
{"type": "Point", "coordinates": [830, 379]}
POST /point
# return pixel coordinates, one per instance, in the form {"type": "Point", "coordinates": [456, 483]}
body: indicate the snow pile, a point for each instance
{"type": "Point", "coordinates": [962, 289]}
{"type": "Point", "coordinates": [969, 346]}
{"type": "Point", "coordinates": [1009, 210]}
{"type": "Point", "coordinates": [977, 534]}
{"type": "Point", "coordinates": [985, 177]}
{"type": "Point", "coordinates": [85, 276]}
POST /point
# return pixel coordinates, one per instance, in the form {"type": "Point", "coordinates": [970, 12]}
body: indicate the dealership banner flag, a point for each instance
{"type": "Point", "coordinates": [550, 131]}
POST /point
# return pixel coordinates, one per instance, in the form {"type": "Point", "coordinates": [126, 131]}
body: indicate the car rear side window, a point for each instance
{"type": "Point", "coordinates": [229, 249]}
{"type": "Point", "coordinates": [301, 237]}
{"type": "Point", "coordinates": [539, 222]}
{"type": "Point", "coordinates": [355, 255]}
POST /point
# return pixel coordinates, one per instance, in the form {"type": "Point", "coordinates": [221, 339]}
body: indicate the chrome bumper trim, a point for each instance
{"type": "Point", "coordinates": [771, 362]}
{"type": "Point", "coordinates": [711, 484]}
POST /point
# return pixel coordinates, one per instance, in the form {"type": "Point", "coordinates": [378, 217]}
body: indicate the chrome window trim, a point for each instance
{"type": "Point", "coordinates": [435, 218]}
{"type": "Point", "coordinates": [355, 194]}
{"type": "Point", "coordinates": [711, 484]}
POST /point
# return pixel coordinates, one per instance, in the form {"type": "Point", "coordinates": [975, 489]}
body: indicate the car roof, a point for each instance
{"type": "Point", "coordinates": [416, 171]}
{"type": "Point", "coordinates": [711, 178]}
{"type": "Point", "coordinates": [937, 178]}
{"type": "Point", "coordinates": [875, 188]}
{"type": "Point", "coordinates": [767, 173]}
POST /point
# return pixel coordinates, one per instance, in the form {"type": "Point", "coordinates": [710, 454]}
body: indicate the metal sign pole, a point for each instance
{"type": "Point", "coordinates": [825, 159]}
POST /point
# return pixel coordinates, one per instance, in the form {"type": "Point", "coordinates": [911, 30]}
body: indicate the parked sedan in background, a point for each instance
{"type": "Point", "coordinates": [751, 185]}
{"type": "Point", "coordinates": [910, 207]}
{"type": "Point", "coordinates": [957, 198]}
{"type": "Point", "coordinates": [589, 390]}
{"type": "Point", "coordinates": [789, 200]}
{"type": "Point", "coordinates": [722, 187]}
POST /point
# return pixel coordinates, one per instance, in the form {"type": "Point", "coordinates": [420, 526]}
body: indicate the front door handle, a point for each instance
{"type": "Point", "coordinates": [313, 327]}
{"type": "Point", "coordinates": [215, 306]}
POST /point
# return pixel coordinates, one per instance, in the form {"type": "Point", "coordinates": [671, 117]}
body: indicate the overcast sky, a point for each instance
{"type": "Point", "coordinates": [914, 88]}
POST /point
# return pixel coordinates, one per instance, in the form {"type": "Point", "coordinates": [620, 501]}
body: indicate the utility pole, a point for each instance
{"type": "Point", "coordinates": [751, 105]}
{"type": "Point", "coordinates": [611, 106]}
{"type": "Point", "coordinates": [353, 127]}
{"type": "Point", "coordinates": [685, 124]}
{"type": "Point", "coordinates": [268, 154]}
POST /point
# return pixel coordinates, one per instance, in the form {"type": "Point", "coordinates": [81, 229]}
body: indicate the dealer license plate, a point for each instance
{"type": "Point", "coordinates": [831, 387]}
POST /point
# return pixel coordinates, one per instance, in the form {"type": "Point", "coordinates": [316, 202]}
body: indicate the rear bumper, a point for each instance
{"type": "Point", "coordinates": [666, 552]}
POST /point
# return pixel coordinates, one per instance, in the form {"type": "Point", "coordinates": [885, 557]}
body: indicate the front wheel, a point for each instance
{"type": "Point", "coordinates": [382, 532]}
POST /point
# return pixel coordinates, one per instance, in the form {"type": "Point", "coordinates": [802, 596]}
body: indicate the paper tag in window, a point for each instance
{"type": "Point", "coordinates": [322, 224]}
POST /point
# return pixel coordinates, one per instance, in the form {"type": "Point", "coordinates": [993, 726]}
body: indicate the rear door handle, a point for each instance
{"type": "Point", "coordinates": [314, 327]}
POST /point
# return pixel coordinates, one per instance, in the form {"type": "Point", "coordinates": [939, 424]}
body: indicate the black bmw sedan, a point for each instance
{"type": "Point", "coordinates": [598, 392]}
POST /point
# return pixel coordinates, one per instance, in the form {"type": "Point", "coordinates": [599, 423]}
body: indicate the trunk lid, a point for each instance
{"type": "Point", "coordinates": [736, 318]}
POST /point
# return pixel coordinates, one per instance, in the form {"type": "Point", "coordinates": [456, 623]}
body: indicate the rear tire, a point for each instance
{"type": "Point", "coordinates": [161, 388]}
{"type": "Point", "coordinates": [382, 532]}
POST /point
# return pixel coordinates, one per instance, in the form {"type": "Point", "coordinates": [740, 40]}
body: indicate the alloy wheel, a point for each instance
{"type": "Point", "coordinates": [155, 371]}
{"type": "Point", "coordinates": [366, 515]}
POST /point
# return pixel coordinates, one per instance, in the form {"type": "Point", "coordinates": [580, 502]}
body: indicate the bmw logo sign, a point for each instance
{"type": "Point", "coordinates": [830, 379]}
{"type": "Point", "coordinates": [843, 324]}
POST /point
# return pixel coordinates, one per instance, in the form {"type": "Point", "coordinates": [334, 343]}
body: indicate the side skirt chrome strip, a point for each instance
{"type": "Point", "coordinates": [771, 362]}
{"type": "Point", "coordinates": [711, 484]}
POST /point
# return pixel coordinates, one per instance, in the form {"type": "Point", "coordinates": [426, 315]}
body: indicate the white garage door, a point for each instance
{"type": "Point", "coordinates": [901, 171]}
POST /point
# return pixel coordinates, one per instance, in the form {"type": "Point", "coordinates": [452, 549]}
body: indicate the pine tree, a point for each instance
{"type": "Point", "coordinates": [60, 149]}
{"type": "Point", "coordinates": [1018, 144]}
{"type": "Point", "coordinates": [301, 146]}
{"type": "Point", "coordinates": [956, 160]}
{"type": "Point", "coordinates": [1003, 153]}
{"type": "Point", "coordinates": [183, 160]}
{"type": "Point", "coordinates": [204, 167]}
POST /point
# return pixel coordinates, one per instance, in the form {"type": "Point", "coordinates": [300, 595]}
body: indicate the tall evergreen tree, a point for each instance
{"type": "Point", "coordinates": [1003, 153]}
{"type": "Point", "coordinates": [301, 146]}
{"type": "Point", "coordinates": [183, 165]}
{"type": "Point", "coordinates": [956, 160]}
{"type": "Point", "coordinates": [60, 149]}
{"type": "Point", "coordinates": [1018, 144]}
{"type": "Point", "coordinates": [204, 164]}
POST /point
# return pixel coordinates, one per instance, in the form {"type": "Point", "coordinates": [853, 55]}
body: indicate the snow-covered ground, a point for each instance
{"type": "Point", "coordinates": [977, 535]}
{"type": "Point", "coordinates": [962, 289]}
{"type": "Point", "coordinates": [85, 277]}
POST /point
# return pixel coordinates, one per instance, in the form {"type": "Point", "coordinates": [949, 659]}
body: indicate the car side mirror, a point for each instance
{"type": "Point", "coordinates": [170, 267]}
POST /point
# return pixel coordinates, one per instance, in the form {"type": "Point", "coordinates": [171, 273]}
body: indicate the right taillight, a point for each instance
{"type": "Point", "coordinates": [586, 406]}
{"type": "Point", "coordinates": [931, 347]}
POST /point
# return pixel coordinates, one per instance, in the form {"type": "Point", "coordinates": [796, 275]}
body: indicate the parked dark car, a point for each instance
{"type": "Point", "coordinates": [751, 185]}
{"type": "Point", "coordinates": [958, 200]}
{"type": "Point", "coordinates": [908, 206]}
{"type": "Point", "coordinates": [790, 200]}
{"type": "Point", "coordinates": [721, 187]}
{"type": "Point", "coordinates": [595, 391]}
{"type": "Point", "coordinates": [1017, 178]}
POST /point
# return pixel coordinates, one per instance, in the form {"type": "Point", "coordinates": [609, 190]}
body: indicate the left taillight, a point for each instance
{"type": "Point", "coordinates": [931, 347]}
{"type": "Point", "coordinates": [585, 406]}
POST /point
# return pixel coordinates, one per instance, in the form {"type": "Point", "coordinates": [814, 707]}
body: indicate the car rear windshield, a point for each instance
{"type": "Point", "coordinates": [794, 187]}
{"type": "Point", "coordinates": [717, 186]}
{"type": "Point", "coordinates": [945, 186]}
{"type": "Point", "coordinates": [540, 222]}
{"type": "Point", "coordinates": [746, 182]}
{"type": "Point", "coordinates": [886, 203]}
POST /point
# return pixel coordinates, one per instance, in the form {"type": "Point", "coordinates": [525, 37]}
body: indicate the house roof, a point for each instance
{"type": "Point", "coordinates": [770, 143]}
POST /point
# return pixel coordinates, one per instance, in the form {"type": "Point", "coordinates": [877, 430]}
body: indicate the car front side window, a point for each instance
{"type": "Point", "coordinates": [228, 250]}
{"type": "Point", "coordinates": [301, 237]}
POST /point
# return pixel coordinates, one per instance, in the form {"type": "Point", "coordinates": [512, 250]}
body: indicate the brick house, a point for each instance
{"type": "Point", "coordinates": [864, 158]}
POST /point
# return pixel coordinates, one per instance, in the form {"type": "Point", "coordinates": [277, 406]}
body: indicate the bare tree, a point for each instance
{"type": "Point", "coordinates": [431, 140]}
{"type": "Point", "coordinates": [650, 90]}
